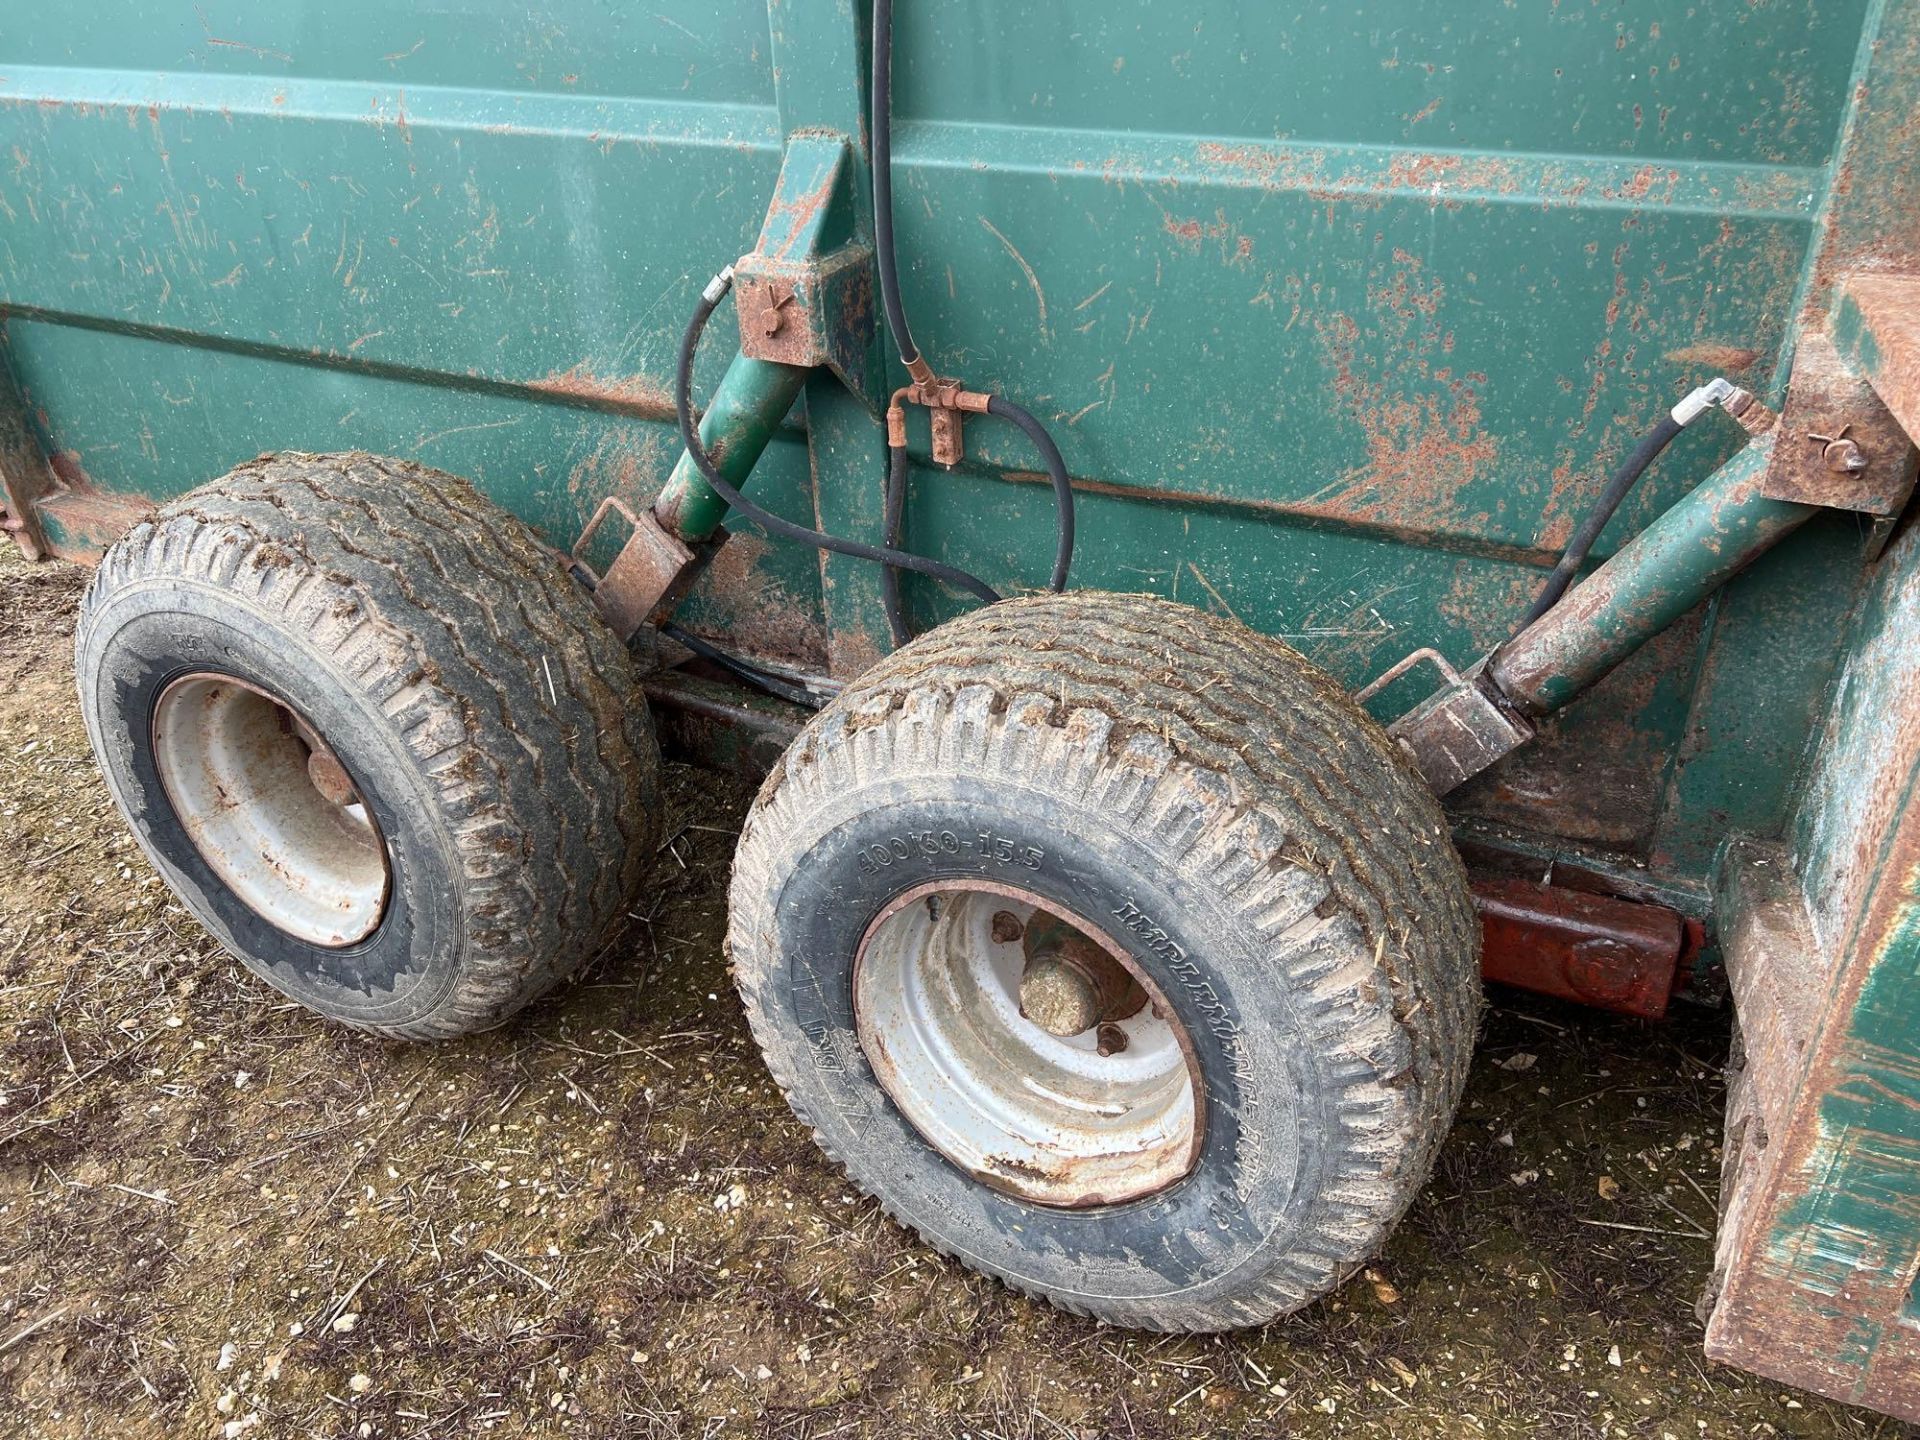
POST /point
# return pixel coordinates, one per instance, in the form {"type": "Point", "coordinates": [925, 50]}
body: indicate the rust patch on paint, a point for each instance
{"type": "Point", "coordinates": [84, 518]}
{"type": "Point", "coordinates": [851, 652]}
{"type": "Point", "coordinates": [1710, 355]}
{"type": "Point", "coordinates": [640, 395]}
{"type": "Point", "coordinates": [1442, 177]}
{"type": "Point", "coordinates": [1426, 445]}
{"type": "Point", "coordinates": [627, 462]}
{"type": "Point", "coordinates": [760, 618]}
{"type": "Point", "coordinates": [1486, 605]}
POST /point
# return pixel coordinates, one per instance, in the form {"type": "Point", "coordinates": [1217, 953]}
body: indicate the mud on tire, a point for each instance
{"type": "Point", "coordinates": [493, 726]}
{"type": "Point", "coordinates": [1265, 856]}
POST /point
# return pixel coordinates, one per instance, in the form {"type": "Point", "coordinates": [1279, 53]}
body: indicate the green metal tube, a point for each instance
{"type": "Point", "coordinates": [753, 398]}
{"type": "Point", "coordinates": [1672, 565]}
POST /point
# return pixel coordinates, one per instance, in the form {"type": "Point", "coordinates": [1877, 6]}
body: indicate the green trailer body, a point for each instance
{"type": "Point", "coordinates": [1339, 315]}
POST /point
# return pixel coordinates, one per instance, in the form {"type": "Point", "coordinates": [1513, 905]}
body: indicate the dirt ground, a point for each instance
{"type": "Point", "coordinates": [220, 1215]}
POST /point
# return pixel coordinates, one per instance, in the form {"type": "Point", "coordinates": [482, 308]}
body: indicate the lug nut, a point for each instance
{"type": "Point", "coordinates": [1111, 1039]}
{"type": "Point", "coordinates": [1007, 927]}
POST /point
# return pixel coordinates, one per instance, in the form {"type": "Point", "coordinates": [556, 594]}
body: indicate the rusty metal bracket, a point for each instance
{"type": "Point", "coordinates": [1839, 445]}
{"type": "Point", "coordinates": [1460, 729]}
{"type": "Point", "coordinates": [653, 570]}
{"type": "Point", "coordinates": [25, 475]}
{"type": "Point", "coordinates": [1620, 955]}
{"type": "Point", "coordinates": [948, 405]}
{"type": "Point", "coordinates": [805, 293]}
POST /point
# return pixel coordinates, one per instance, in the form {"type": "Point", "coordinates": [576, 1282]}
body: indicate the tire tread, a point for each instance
{"type": "Point", "coordinates": [1231, 749]}
{"type": "Point", "coordinates": [512, 698]}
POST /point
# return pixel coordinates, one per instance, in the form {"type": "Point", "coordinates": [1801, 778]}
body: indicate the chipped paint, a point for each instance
{"type": "Point", "coordinates": [82, 518]}
{"type": "Point", "coordinates": [1419, 419]}
{"type": "Point", "coordinates": [640, 395]}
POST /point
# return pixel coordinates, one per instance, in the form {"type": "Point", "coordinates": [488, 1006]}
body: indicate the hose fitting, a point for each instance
{"type": "Point", "coordinates": [1754, 418]}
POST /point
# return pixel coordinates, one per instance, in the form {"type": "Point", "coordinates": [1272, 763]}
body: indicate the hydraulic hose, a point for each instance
{"type": "Point", "coordinates": [887, 258]}
{"type": "Point", "coordinates": [746, 670]}
{"type": "Point", "coordinates": [1619, 486]}
{"type": "Point", "coordinates": [896, 515]}
{"type": "Point", "coordinates": [896, 507]}
{"type": "Point", "coordinates": [710, 299]}
{"type": "Point", "coordinates": [883, 190]}
{"type": "Point", "coordinates": [1062, 487]}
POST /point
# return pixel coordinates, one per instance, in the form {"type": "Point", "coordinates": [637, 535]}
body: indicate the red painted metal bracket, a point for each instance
{"type": "Point", "coordinates": [1620, 955]}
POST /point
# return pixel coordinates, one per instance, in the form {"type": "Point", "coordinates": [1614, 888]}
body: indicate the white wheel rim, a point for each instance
{"type": "Point", "coordinates": [243, 772]}
{"type": "Point", "coordinates": [1040, 1116]}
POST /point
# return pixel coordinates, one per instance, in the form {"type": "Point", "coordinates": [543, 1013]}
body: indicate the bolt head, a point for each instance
{"type": "Point", "coordinates": [1843, 457]}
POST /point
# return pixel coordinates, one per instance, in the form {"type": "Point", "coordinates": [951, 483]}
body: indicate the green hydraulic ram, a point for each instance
{"type": "Point", "coordinates": [745, 412]}
{"type": "Point", "coordinates": [1684, 556]}
{"type": "Point", "coordinates": [1720, 528]}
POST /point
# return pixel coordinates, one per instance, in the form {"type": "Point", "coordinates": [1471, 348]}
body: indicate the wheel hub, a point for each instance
{"type": "Point", "coordinates": [1026, 1047]}
{"type": "Point", "coordinates": [1070, 984]}
{"type": "Point", "coordinates": [271, 809]}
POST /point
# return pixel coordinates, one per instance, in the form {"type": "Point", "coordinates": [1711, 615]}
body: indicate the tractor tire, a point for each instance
{"type": "Point", "coordinates": [1173, 803]}
{"type": "Point", "coordinates": [373, 736]}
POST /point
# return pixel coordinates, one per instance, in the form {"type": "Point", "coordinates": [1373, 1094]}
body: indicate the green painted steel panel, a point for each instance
{"type": "Point", "coordinates": [1764, 82]}
{"type": "Point", "coordinates": [1339, 313]}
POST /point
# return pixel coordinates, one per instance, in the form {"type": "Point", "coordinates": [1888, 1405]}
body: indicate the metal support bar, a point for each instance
{"type": "Point", "coordinates": [1619, 955]}
{"type": "Point", "coordinates": [1615, 954]}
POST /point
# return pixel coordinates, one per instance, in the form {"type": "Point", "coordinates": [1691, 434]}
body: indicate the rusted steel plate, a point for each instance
{"type": "Point", "coordinates": [1876, 325]}
{"type": "Point", "coordinates": [1839, 445]}
{"type": "Point", "coordinates": [25, 476]}
{"type": "Point", "coordinates": [653, 568]}
{"type": "Point", "coordinates": [1618, 955]}
{"type": "Point", "coordinates": [1460, 731]}
{"type": "Point", "coordinates": [1774, 968]}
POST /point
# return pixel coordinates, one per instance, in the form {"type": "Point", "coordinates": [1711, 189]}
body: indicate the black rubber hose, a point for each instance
{"type": "Point", "coordinates": [896, 519]}
{"type": "Point", "coordinates": [766, 519]}
{"type": "Point", "coordinates": [896, 506]}
{"type": "Point", "coordinates": [1062, 487]}
{"type": "Point", "coordinates": [883, 183]}
{"type": "Point", "coordinates": [1618, 488]}
{"type": "Point", "coordinates": [748, 672]}
{"type": "Point", "coordinates": [887, 258]}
